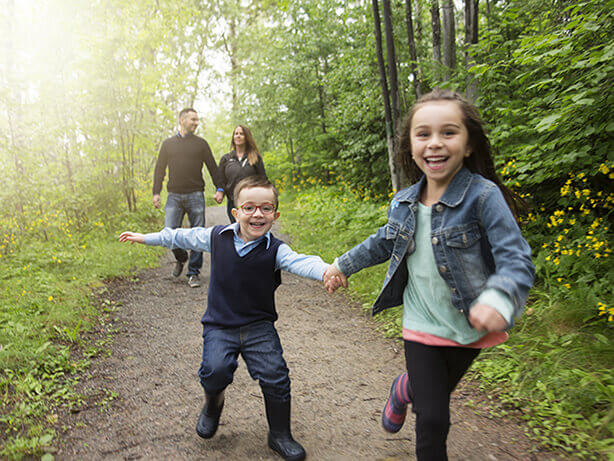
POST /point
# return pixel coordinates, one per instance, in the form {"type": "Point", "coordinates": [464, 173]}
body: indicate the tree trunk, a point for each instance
{"type": "Point", "coordinates": [13, 110]}
{"type": "Point", "coordinates": [418, 21]}
{"type": "Point", "coordinates": [234, 68]}
{"type": "Point", "coordinates": [321, 100]}
{"type": "Point", "coordinates": [436, 27]}
{"type": "Point", "coordinates": [291, 154]}
{"type": "Point", "coordinates": [449, 38]}
{"type": "Point", "coordinates": [394, 176]}
{"type": "Point", "coordinates": [471, 38]}
{"type": "Point", "coordinates": [395, 169]}
{"type": "Point", "coordinates": [416, 79]}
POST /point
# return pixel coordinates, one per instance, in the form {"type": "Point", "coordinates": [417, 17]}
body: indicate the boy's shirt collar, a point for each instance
{"type": "Point", "coordinates": [235, 228]}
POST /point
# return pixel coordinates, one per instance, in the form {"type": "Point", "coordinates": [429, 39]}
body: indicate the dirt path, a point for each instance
{"type": "Point", "coordinates": [340, 368]}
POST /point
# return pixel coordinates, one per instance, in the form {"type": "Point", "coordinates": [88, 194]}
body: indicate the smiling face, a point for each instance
{"type": "Point", "coordinates": [188, 123]}
{"type": "Point", "coordinates": [238, 136]}
{"type": "Point", "coordinates": [439, 141]}
{"type": "Point", "coordinates": [256, 225]}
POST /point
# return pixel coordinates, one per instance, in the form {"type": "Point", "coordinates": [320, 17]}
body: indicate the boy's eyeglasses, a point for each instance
{"type": "Point", "coordinates": [249, 208]}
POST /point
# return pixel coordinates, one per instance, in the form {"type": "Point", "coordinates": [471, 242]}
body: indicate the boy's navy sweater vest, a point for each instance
{"type": "Point", "coordinates": [241, 289]}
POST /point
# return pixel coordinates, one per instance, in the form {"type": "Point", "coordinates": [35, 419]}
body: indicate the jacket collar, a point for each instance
{"type": "Point", "coordinates": [453, 196]}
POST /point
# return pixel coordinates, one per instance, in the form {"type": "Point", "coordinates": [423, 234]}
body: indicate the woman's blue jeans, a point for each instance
{"type": "Point", "coordinates": [177, 206]}
{"type": "Point", "coordinates": [261, 349]}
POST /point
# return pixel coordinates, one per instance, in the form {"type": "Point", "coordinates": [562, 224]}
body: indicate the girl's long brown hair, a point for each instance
{"type": "Point", "coordinates": [481, 159]}
{"type": "Point", "coordinates": [251, 149]}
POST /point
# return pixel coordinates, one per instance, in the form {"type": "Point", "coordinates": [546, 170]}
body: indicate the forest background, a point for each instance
{"type": "Point", "coordinates": [89, 90]}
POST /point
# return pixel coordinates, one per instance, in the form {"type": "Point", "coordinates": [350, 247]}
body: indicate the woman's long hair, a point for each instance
{"type": "Point", "coordinates": [251, 149]}
{"type": "Point", "coordinates": [481, 159]}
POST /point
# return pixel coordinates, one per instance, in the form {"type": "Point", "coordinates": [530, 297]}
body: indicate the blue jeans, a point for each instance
{"type": "Point", "coordinates": [177, 205]}
{"type": "Point", "coordinates": [260, 347]}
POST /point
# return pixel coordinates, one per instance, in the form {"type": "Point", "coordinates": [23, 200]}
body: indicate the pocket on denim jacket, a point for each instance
{"type": "Point", "coordinates": [465, 253]}
{"type": "Point", "coordinates": [463, 236]}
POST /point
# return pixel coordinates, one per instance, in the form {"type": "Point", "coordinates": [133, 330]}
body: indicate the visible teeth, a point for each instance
{"type": "Point", "coordinates": [436, 159]}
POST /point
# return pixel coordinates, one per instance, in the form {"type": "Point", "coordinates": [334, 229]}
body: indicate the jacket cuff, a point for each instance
{"type": "Point", "coordinates": [498, 301]}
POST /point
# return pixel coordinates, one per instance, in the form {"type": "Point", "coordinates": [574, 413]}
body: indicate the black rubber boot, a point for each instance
{"type": "Point", "coordinates": [280, 438]}
{"type": "Point", "coordinates": [209, 417]}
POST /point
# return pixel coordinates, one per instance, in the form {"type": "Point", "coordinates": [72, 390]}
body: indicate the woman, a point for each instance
{"type": "Point", "coordinates": [242, 161]}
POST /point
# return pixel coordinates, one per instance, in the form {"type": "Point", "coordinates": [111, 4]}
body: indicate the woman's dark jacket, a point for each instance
{"type": "Point", "coordinates": [232, 170]}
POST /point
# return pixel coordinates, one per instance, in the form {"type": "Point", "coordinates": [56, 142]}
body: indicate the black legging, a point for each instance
{"type": "Point", "coordinates": [434, 372]}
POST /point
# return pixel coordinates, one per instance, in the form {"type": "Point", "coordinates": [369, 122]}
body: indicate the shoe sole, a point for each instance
{"type": "Point", "coordinates": [277, 450]}
{"type": "Point", "coordinates": [205, 436]}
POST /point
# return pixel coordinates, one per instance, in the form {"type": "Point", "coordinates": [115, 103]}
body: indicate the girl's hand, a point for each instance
{"type": "Point", "coordinates": [132, 237]}
{"type": "Point", "coordinates": [333, 279]}
{"type": "Point", "coordinates": [486, 318]}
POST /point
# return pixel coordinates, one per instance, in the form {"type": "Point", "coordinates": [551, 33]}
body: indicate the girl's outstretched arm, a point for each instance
{"type": "Point", "coordinates": [132, 237]}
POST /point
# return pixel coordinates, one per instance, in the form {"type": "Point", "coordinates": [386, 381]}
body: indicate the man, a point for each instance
{"type": "Point", "coordinates": [184, 154]}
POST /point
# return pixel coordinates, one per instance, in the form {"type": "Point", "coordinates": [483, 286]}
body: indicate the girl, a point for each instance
{"type": "Point", "coordinates": [242, 161]}
{"type": "Point", "coordinates": [458, 262]}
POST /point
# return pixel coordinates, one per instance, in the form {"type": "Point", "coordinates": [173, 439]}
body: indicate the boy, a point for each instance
{"type": "Point", "coordinates": [246, 260]}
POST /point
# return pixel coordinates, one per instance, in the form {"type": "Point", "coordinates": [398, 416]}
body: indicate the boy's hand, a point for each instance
{"type": "Point", "coordinates": [132, 237]}
{"type": "Point", "coordinates": [333, 279]}
{"type": "Point", "coordinates": [485, 318]}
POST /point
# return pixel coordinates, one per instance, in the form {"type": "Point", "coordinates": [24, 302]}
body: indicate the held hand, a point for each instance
{"type": "Point", "coordinates": [157, 202]}
{"type": "Point", "coordinates": [218, 196]}
{"type": "Point", "coordinates": [333, 279]}
{"type": "Point", "coordinates": [485, 318]}
{"type": "Point", "coordinates": [132, 237]}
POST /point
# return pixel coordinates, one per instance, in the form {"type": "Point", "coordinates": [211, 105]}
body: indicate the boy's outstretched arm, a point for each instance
{"type": "Point", "coordinates": [309, 266]}
{"type": "Point", "coordinates": [132, 237]}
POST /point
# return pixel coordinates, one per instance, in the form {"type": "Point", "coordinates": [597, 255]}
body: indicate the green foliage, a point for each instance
{"type": "Point", "coordinates": [306, 211]}
{"type": "Point", "coordinates": [553, 70]}
{"type": "Point", "coordinates": [80, 127]}
{"type": "Point", "coordinates": [309, 93]}
{"type": "Point", "coordinates": [47, 308]}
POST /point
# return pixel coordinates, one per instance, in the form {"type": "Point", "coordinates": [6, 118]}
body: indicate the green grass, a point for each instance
{"type": "Point", "coordinates": [47, 306]}
{"type": "Point", "coordinates": [555, 371]}
{"type": "Point", "coordinates": [53, 270]}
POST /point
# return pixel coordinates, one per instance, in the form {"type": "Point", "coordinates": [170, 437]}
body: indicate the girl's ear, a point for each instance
{"type": "Point", "coordinates": [234, 212]}
{"type": "Point", "coordinates": [276, 214]}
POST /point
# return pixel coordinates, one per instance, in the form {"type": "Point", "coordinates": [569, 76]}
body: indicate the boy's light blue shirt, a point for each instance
{"type": "Point", "coordinates": [199, 239]}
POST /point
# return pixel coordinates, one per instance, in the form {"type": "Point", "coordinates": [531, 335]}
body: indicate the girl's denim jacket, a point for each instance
{"type": "Point", "coordinates": [476, 242]}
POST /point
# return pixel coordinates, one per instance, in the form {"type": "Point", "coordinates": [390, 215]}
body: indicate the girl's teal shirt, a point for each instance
{"type": "Point", "coordinates": [475, 239]}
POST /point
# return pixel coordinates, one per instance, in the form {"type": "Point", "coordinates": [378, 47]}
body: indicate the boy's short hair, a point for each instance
{"type": "Point", "coordinates": [255, 181]}
{"type": "Point", "coordinates": [185, 111]}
